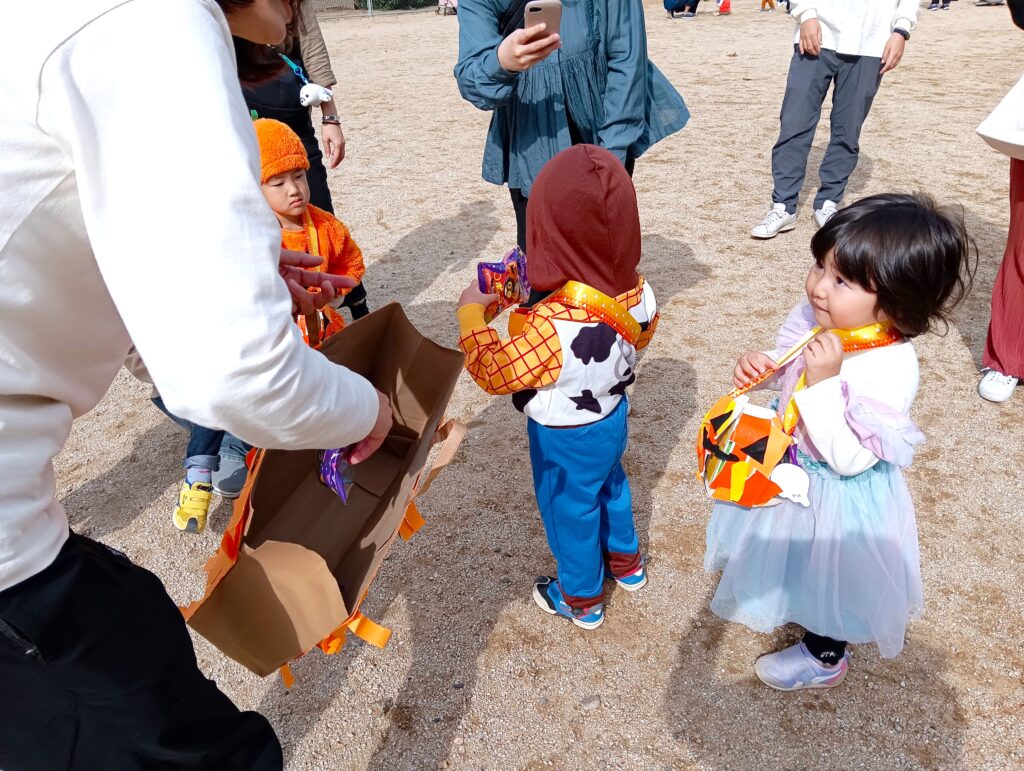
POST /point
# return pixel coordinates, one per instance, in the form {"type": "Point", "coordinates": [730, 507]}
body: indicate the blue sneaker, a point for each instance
{"type": "Point", "coordinates": [631, 582]}
{"type": "Point", "coordinates": [794, 669]}
{"type": "Point", "coordinates": [548, 597]}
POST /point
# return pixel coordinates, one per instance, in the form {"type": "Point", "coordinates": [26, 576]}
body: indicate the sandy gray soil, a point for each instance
{"type": "Point", "coordinates": [475, 675]}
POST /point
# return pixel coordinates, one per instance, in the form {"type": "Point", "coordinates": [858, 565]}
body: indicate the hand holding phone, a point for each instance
{"type": "Point", "coordinates": [547, 12]}
{"type": "Point", "coordinates": [532, 44]}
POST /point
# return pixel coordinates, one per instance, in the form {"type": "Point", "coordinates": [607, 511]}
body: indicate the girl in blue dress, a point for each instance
{"type": "Point", "coordinates": [845, 567]}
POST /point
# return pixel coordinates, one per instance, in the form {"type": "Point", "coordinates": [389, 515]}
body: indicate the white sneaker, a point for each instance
{"type": "Point", "coordinates": [776, 221]}
{"type": "Point", "coordinates": [825, 213]}
{"type": "Point", "coordinates": [997, 387]}
{"type": "Point", "coordinates": [795, 669]}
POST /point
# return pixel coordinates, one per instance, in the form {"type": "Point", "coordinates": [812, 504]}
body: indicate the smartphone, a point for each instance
{"type": "Point", "coordinates": [548, 12]}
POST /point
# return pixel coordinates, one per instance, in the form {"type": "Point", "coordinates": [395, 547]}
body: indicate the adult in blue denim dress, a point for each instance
{"type": "Point", "coordinates": [598, 88]}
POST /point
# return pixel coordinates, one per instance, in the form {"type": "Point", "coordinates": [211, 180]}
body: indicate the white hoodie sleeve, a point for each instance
{"type": "Point", "coordinates": [146, 102]}
{"type": "Point", "coordinates": [905, 16]}
{"type": "Point", "coordinates": [803, 10]}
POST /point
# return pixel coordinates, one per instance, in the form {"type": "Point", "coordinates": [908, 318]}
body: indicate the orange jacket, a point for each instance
{"type": "Point", "coordinates": [341, 254]}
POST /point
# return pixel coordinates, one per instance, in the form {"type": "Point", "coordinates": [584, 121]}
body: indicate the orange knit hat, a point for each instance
{"type": "Point", "coordinates": [281, 149]}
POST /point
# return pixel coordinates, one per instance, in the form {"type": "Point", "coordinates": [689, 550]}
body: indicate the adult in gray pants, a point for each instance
{"type": "Point", "coordinates": [848, 47]}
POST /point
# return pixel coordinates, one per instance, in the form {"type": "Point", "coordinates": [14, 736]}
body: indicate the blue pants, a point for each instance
{"type": "Point", "coordinates": [203, 449]}
{"type": "Point", "coordinates": [584, 499]}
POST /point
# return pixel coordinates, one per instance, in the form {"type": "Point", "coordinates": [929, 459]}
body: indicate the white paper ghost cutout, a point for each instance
{"type": "Point", "coordinates": [794, 483]}
{"type": "Point", "coordinates": [312, 94]}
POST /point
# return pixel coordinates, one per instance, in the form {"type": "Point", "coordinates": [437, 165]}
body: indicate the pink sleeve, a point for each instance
{"type": "Point", "coordinates": [882, 429]}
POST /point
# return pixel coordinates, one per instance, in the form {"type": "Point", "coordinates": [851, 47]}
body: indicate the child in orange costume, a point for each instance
{"type": "Point", "coordinates": [567, 365]}
{"type": "Point", "coordinates": [304, 227]}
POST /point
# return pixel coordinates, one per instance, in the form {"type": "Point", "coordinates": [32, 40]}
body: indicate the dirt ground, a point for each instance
{"type": "Point", "coordinates": [475, 676]}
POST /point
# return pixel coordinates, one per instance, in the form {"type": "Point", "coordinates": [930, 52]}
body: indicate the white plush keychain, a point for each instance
{"type": "Point", "coordinates": [310, 94]}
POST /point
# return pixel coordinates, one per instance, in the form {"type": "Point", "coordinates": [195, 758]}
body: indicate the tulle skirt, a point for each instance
{"type": "Point", "coordinates": [846, 567]}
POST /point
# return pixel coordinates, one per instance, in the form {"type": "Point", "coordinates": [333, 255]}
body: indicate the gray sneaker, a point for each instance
{"type": "Point", "coordinates": [229, 479]}
{"type": "Point", "coordinates": [776, 221]}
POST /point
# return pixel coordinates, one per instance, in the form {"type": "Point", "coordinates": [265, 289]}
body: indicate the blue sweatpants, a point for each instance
{"type": "Point", "coordinates": [584, 499]}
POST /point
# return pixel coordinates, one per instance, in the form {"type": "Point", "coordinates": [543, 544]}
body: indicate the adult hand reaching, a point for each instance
{"type": "Point", "coordinates": [525, 47]}
{"type": "Point", "coordinates": [293, 268]}
{"type": "Point", "coordinates": [810, 38]}
{"type": "Point", "coordinates": [377, 435]}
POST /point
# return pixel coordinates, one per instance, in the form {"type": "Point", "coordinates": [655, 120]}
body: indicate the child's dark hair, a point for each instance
{"type": "Point", "coordinates": [917, 257]}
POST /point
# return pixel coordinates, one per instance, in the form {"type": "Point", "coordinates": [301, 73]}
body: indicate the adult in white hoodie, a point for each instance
{"type": "Point", "coordinates": [126, 221]}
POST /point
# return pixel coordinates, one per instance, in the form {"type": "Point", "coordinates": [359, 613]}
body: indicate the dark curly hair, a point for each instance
{"type": "Point", "coordinates": [915, 256]}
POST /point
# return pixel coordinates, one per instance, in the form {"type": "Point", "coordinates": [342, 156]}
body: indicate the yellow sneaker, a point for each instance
{"type": "Point", "coordinates": [193, 504]}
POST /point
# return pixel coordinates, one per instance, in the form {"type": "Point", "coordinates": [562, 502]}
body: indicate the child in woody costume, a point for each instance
{"type": "Point", "coordinates": [843, 561]}
{"type": "Point", "coordinates": [567, 365]}
{"type": "Point", "coordinates": [304, 227]}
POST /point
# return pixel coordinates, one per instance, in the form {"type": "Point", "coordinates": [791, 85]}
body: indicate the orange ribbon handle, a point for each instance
{"type": "Point", "coordinates": [369, 631]}
{"type": "Point", "coordinates": [286, 676]}
{"type": "Point", "coordinates": [412, 523]}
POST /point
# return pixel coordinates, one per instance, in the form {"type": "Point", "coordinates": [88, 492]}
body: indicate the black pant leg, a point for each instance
{"type": "Point", "coordinates": [519, 202]}
{"type": "Point", "coordinates": [316, 175]}
{"type": "Point", "coordinates": [97, 670]}
{"type": "Point", "coordinates": [355, 301]}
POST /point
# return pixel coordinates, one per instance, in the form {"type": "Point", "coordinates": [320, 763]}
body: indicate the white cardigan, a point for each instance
{"type": "Point", "coordinates": [856, 27]}
{"type": "Point", "coordinates": [131, 211]}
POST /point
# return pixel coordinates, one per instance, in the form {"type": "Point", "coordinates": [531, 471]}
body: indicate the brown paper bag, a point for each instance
{"type": "Point", "coordinates": [296, 562]}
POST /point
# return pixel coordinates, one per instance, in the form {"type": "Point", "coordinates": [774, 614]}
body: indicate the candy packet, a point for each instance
{"type": "Point", "coordinates": [336, 472]}
{"type": "Point", "coordinates": [507, 279]}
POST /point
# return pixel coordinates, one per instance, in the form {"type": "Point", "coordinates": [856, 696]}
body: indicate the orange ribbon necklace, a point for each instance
{"type": "Point", "coordinates": [860, 339]}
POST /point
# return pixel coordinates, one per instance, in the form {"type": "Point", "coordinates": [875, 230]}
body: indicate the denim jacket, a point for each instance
{"type": "Point", "coordinates": [616, 96]}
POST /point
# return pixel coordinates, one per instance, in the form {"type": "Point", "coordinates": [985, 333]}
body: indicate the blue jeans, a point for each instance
{"type": "Point", "coordinates": [204, 444]}
{"type": "Point", "coordinates": [585, 501]}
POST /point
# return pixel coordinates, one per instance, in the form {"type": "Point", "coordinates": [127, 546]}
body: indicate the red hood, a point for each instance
{"type": "Point", "coordinates": [583, 224]}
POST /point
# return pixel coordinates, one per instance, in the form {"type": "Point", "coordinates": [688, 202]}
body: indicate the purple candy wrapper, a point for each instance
{"type": "Point", "coordinates": [507, 279]}
{"type": "Point", "coordinates": [336, 472]}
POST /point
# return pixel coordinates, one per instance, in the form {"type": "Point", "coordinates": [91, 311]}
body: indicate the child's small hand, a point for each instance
{"type": "Point", "coordinates": [751, 366]}
{"type": "Point", "coordinates": [472, 295]}
{"type": "Point", "coordinates": [823, 357]}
